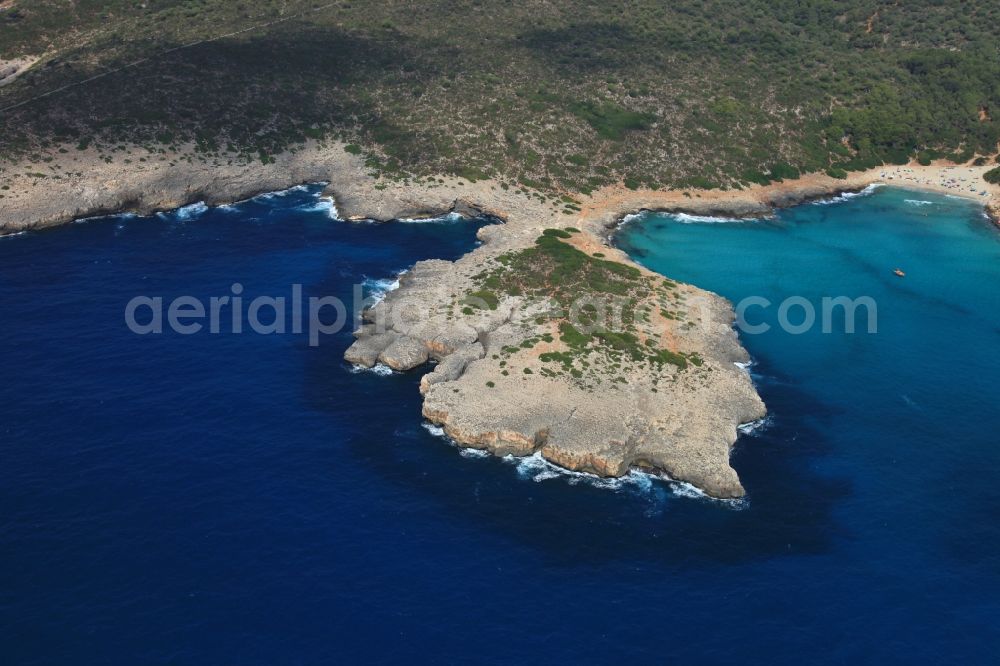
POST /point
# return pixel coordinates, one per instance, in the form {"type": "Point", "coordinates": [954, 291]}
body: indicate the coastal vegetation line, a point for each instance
{"type": "Point", "coordinates": [560, 97]}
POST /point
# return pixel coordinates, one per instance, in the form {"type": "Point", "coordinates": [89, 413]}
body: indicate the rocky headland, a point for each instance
{"type": "Point", "coordinates": [545, 338]}
{"type": "Point", "coordinates": [594, 363]}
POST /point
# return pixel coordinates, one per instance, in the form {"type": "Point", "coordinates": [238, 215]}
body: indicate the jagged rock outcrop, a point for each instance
{"type": "Point", "coordinates": [452, 366]}
{"type": "Point", "coordinates": [487, 389]}
{"type": "Point", "coordinates": [369, 346]}
{"type": "Point", "coordinates": [993, 212]}
{"type": "Point", "coordinates": [495, 386]}
{"type": "Point", "coordinates": [404, 353]}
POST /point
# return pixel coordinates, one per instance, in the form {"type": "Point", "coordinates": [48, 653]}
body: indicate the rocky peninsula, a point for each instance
{"type": "Point", "coordinates": [644, 376]}
{"type": "Point", "coordinates": [545, 338]}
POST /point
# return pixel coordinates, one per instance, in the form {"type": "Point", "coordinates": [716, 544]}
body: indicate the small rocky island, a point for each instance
{"type": "Point", "coordinates": [547, 340]}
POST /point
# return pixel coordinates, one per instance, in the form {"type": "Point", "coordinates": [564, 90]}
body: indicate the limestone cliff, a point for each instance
{"type": "Point", "coordinates": [658, 388]}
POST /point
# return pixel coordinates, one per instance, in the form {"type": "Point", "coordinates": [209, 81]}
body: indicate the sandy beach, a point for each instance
{"type": "Point", "coordinates": [77, 184]}
{"type": "Point", "coordinates": [963, 181]}
{"type": "Point", "coordinates": [72, 184]}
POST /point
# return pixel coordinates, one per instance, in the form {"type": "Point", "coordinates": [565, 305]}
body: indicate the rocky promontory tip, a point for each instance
{"type": "Point", "coordinates": [543, 344]}
{"type": "Point", "coordinates": [522, 365]}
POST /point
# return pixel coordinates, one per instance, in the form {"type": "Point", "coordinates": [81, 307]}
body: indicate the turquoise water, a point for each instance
{"type": "Point", "coordinates": [250, 499]}
{"type": "Point", "coordinates": [904, 421]}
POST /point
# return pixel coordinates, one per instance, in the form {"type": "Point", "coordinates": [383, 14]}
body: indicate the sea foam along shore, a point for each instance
{"type": "Point", "coordinates": [82, 184]}
{"type": "Point", "coordinates": [111, 187]}
{"type": "Point", "coordinates": [823, 199]}
{"type": "Point", "coordinates": [616, 205]}
{"type": "Point", "coordinates": [537, 469]}
{"type": "Point", "coordinates": [480, 404]}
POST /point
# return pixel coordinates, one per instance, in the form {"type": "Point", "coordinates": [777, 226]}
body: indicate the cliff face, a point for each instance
{"type": "Point", "coordinates": [660, 390]}
{"type": "Point", "coordinates": [70, 183]}
{"type": "Point", "coordinates": [657, 388]}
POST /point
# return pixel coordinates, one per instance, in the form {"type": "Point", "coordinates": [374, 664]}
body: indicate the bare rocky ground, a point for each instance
{"type": "Point", "coordinates": [11, 69]}
{"type": "Point", "coordinates": [490, 392]}
{"type": "Point", "coordinates": [489, 389]}
{"type": "Point", "coordinates": [69, 184]}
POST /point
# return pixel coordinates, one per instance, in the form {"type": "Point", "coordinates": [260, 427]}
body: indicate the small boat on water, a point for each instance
{"type": "Point", "coordinates": [899, 272]}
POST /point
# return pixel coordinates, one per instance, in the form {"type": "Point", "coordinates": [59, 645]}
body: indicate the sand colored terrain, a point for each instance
{"type": "Point", "coordinates": [69, 184]}
{"type": "Point", "coordinates": [492, 389]}
{"type": "Point", "coordinates": [681, 422]}
{"type": "Point", "coordinates": [963, 181]}
{"type": "Point", "coordinates": [11, 69]}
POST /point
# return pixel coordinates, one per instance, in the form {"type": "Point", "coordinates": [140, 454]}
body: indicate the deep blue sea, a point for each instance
{"type": "Point", "coordinates": [249, 499]}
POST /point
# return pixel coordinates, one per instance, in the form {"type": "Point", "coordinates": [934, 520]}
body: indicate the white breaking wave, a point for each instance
{"type": "Point", "coordinates": [450, 217]}
{"type": "Point", "coordinates": [464, 451]}
{"type": "Point", "coordinates": [630, 218]}
{"type": "Point", "coordinates": [268, 196]}
{"type": "Point", "coordinates": [688, 218]}
{"type": "Point", "coordinates": [435, 430]}
{"type": "Point", "coordinates": [748, 368]}
{"type": "Point", "coordinates": [323, 204]}
{"type": "Point", "coordinates": [189, 212]}
{"type": "Point", "coordinates": [868, 190]}
{"type": "Point", "coordinates": [847, 196]}
{"type": "Point", "coordinates": [684, 489]}
{"type": "Point", "coordinates": [199, 208]}
{"type": "Point", "coordinates": [379, 288]}
{"type": "Point", "coordinates": [754, 427]}
{"type": "Point", "coordinates": [115, 216]}
{"type": "Point", "coordinates": [537, 469]}
{"type": "Point", "coordinates": [384, 284]}
{"type": "Point", "coordinates": [379, 369]}
{"type": "Point", "coordinates": [918, 202]}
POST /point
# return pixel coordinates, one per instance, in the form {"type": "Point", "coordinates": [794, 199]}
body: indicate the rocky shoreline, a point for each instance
{"type": "Point", "coordinates": [506, 380]}
{"type": "Point", "coordinates": [494, 386]}
{"type": "Point", "coordinates": [71, 184]}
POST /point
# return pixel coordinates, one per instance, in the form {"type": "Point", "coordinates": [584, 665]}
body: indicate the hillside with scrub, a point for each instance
{"type": "Point", "coordinates": [556, 95]}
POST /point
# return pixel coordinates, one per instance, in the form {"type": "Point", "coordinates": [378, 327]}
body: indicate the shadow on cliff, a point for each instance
{"type": "Point", "coordinates": [789, 511]}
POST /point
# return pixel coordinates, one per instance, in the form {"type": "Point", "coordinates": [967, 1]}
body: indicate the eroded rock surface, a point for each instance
{"type": "Point", "coordinates": [665, 393]}
{"type": "Point", "coordinates": [405, 353]}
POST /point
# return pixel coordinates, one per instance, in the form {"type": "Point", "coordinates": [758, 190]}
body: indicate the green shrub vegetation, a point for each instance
{"type": "Point", "coordinates": [557, 273]}
{"type": "Point", "coordinates": [992, 176]}
{"type": "Point", "coordinates": [482, 299]}
{"type": "Point", "coordinates": [610, 120]}
{"type": "Point", "coordinates": [557, 233]}
{"type": "Point", "coordinates": [683, 94]}
{"type": "Point", "coordinates": [553, 269]}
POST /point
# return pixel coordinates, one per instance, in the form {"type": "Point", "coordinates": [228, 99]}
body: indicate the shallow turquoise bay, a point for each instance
{"type": "Point", "coordinates": [905, 422]}
{"type": "Point", "coordinates": [252, 499]}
